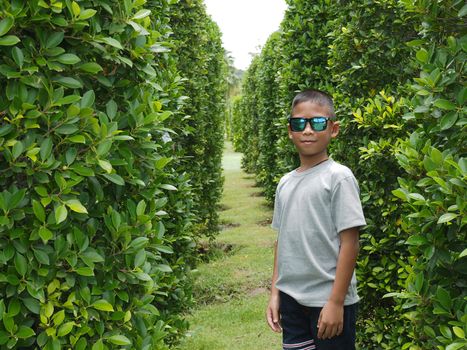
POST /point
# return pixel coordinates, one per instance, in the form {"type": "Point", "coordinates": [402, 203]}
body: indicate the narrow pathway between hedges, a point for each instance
{"type": "Point", "coordinates": [232, 289]}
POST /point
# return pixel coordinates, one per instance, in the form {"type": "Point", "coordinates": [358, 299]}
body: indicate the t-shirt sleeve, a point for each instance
{"type": "Point", "coordinates": [276, 217]}
{"type": "Point", "coordinates": [346, 207]}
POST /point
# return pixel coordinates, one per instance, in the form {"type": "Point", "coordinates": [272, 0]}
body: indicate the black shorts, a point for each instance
{"type": "Point", "coordinates": [300, 332]}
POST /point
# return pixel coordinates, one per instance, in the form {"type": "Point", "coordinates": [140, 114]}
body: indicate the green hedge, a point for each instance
{"type": "Point", "coordinates": [366, 54]}
{"type": "Point", "coordinates": [96, 209]}
{"type": "Point", "coordinates": [203, 65]}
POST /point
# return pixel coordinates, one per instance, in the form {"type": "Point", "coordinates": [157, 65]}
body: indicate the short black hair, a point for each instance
{"type": "Point", "coordinates": [316, 96]}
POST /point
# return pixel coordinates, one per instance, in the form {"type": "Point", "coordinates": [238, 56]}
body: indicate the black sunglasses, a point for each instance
{"type": "Point", "coordinates": [316, 123]}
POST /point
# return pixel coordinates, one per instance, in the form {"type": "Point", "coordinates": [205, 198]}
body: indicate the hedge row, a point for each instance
{"type": "Point", "coordinates": [96, 209]}
{"type": "Point", "coordinates": [396, 70]}
{"type": "Point", "coordinates": [201, 62]}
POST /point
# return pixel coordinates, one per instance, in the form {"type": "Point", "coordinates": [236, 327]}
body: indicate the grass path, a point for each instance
{"type": "Point", "coordinates": [232, 290]}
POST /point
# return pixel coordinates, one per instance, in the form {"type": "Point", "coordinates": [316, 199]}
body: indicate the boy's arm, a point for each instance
{"type": "Point", "coordinates": [272, 312]}
{"type": "Point", "coordinates": [331, 319]}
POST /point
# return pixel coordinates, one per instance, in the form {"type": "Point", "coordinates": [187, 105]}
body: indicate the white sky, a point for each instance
{"type": "Point", "coordinates": [246, 25]}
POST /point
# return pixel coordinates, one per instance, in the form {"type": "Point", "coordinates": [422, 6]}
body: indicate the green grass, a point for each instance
{"type": "Point", "coordinates": [232, 290]}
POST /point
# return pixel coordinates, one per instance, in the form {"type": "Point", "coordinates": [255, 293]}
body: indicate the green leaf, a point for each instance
{"type": "Point", "coordinates": [102, 305]}
{"type": "Point", "coordinates": [98, 345]}
{"type": "Point", "coordinates": [112, 42]}
{"type": "Point", "coordinates": [69, 82]}
{"type": "Point", "coordinates": [68, 58]}
{"type": "Point", "coordinates": [164, 268]}
{"type": "Point", "coordinates": [16, 198]}
{"type": "Point", "coordinates": [140, 258]}
{"type": "Point", "coordinates": [25, 332]}
{"type": "Point", "coordinates": [76, 206]}
{"type": "Point", "coordinates": [88, 99]}
{"type": "Point", "coordinates": [446, 218]}
{"type": "Point", "coordinates": [139, 242]}
{"type": "Point", "coordinates": [455, 346]}
{"type": "Point", "coordinates": [85, 271]}
{"type": "Point", "coordinates": [77, 139]}
{"type": "Point", "coordinates": [21, 264]}
{"type": "Point", "coordinates": [18, 56]}
{"type": "Point", "coordinates": [462, 96]}
{"type": "Point", "coordinates": [442, 295]}
{"type": "Point", "coordinates": [76, 10]}
{"type": "Point", "coordinates": [445, 104]}
{"type": "Point", "coordinates": [42, 257]}
{"type": "Point", "coordinates": [4, 337]}
{"type": "Point", "coordinates": [448, 120]}
{"type": "Point", "coordinates": [459, 332]}
{"type": "Point", "coordinates": [9, 40]}
{"type": "Point", "coordinates": [464, 253]}
{"type": "Point", "coordinates": [45, 234]}
{"type": "Point", "coordinates": [38, 210]}
{"type": "Point", "coordinates": [111, 109]}
{"type": "Point", "coordinates": [46, 148]}
{"type": "Point", "coordinates": [463, 11]}
{"type": "Point", "coordinates": [6, 129]}
{"type": "Point", "coordinates": [116, 179]}
{"type": "Point", "coordinates": [86, 14]}
{"type": "Point", "coordinates": [91, 67]}
{"type": "Point", "coordinates": [422, 55]}
{"type": "Point", "coordinates": [164, 249]}
{"type": "Point", "coordinates": [119, 340]}
{"type": "Point", "coordinates": [67, 129]}
{"type": "Point", "coordinates": [103, 148]}
{"type": "Point", "coordinates": [17, 149]}
{"type": "Point", "coordinates": [142, 14]}
{"type": "Point", "coordinates": [400, 194]}
{"type": "Point", "coordinates": [60, 214]}
{"type": "Point", "coordinates": [9, 323]}
{"type": "Point", "coordinates": [416, 196]}
{"type": "Point", "coordinates": [5, 25]}
{"type": "Point", "coordinates": [105, 165]}
{"type": "Point", "coordinates": [168, 187]}
{"type": "Point", "coordinates": [70, 155]}
{"type": "Point", "coordinates": [33, 305]}
{"type": "Point", "coordinates": [92, 256]}
{"type": "Point", "coordinates": [68, 99]}
{"type": "Point", "coordinates": [81, 170]}
{"type": "Point", "coordinates": [65, 329]}
{"type": "Point", "coordinates": [54, 39]}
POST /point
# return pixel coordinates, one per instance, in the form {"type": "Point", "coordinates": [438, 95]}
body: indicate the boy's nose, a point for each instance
{"type": "Point", "coordinates": [308, 129]}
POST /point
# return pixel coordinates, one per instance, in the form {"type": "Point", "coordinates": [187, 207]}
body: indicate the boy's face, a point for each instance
{"type": "Point", "coordinates": [312, 144]}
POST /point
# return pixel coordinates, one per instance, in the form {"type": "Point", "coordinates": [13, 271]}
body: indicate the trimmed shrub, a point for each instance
{"type": "Point", "coordinates": [363, 54]}
{"type": "Point", "coordinates": [204, 68]}
{"type": "Point", "coordinates": [96, 208]}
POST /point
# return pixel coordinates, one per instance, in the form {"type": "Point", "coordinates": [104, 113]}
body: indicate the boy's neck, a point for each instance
{"type": "Point", "coordinates": [308, 163]}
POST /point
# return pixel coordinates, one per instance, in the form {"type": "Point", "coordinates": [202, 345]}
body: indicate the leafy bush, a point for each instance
{"type": "Point", "coordinates": [433, 188]}
{"type": "Point", "coordinates": [95, 209]}
{"type": "Point", "coordinates": [391, 128]}
{"type": "Point", "coordinates": [202, 63]}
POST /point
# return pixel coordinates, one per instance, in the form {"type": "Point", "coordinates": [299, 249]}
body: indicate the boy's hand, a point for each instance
{"type": "Point", "coordinates": [331, 320]}
{"type": "Point", "coordinates": [272, 314]}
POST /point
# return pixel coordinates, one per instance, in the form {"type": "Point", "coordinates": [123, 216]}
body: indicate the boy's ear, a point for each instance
{"type": "Point", "coordinates": [335, 129]}
{"type": "Point", "coordinates": [290, 131]}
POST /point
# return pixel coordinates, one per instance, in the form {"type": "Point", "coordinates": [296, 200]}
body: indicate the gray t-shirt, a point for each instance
{"type": "Point", "coordinates": [310, 210]}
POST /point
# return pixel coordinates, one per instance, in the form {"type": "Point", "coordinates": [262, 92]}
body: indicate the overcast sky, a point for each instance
{"type": "Point", "coordinates": [246, 25]}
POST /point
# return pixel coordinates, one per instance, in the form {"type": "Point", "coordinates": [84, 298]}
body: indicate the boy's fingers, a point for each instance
{"type": "Point", "coordinates": [275, 319]}
{"type": "Point", "coordinates": [320, 327]}
{"type": "Point", "coordinates": [269, 317]}
{"type": "Point", "coordinates": [340, 328]}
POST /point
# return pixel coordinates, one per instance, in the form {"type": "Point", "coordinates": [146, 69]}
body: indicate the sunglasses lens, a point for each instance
{"type": "Point", "coordinates": [297, 124]}
{"type": "Point", "coordinates": [319, 124]}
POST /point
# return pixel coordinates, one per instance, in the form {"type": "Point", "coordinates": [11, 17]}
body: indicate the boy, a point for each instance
{"type": "Point", "coordinates": [317, 213]}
